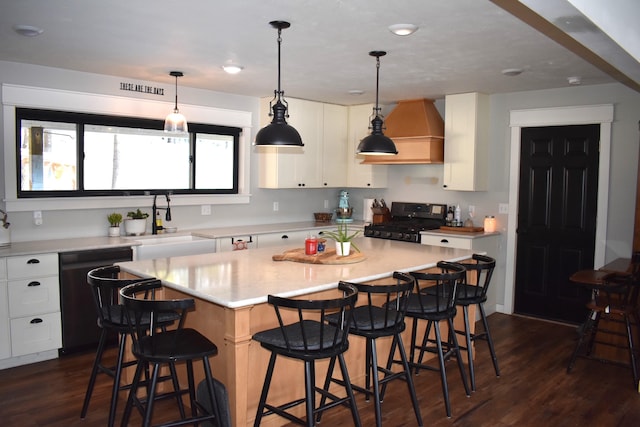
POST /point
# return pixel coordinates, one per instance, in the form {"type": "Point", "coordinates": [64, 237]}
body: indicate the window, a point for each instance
{"type": "Point", "coordinates": [73, 154]}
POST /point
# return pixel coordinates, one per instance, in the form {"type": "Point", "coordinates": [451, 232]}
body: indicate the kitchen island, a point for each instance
{"type": "Point", "coordinates": [231, 290]}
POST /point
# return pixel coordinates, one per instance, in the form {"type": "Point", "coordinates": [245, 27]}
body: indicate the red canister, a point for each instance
{"type": "Point", "coordinates": [311, 245]}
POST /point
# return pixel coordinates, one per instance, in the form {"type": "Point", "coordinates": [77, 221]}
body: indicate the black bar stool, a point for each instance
{"type": "Point", "coordinates": [481, 268]}
{"type": "Point", "coordinates": [309, 339]}
{"type": "Point", "coordinates": [105, 286]}
{"type": "Point", "coordinates": [381, 316]}
{"type": "Point", "coordinates": [435, 302]}
{"type": "Point", "coordinates": [615, 299]}
{"type": "Point", "coordinates": [153, 348]}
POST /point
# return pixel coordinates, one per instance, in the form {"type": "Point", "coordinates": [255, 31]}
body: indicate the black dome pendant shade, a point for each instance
{"type": "Point", "coordinates": [377, 144]}
{"type": "Point", "coordinates": [279, 133]}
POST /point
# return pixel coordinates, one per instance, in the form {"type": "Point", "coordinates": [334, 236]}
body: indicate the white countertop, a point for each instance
{"type": "Point", "coordinates": [243, 278]}
{"type": "Point", "coordinates": [89, 243]}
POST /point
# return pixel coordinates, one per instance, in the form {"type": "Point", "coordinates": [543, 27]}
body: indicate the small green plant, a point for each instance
{"type": "Point", "coordinates": [138, 214]}
{"type": "Point", "coordinates": [342, 235]}
{"type": "Point", "coordinates": [114, 219]}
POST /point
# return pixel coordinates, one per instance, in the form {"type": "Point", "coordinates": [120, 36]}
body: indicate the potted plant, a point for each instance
{"type": "Point", "coordinates": [342, 238]}
{"type": "Point", "coordinates": [136, 222]}
{"type": "Point", "coordinates": [114, 219]}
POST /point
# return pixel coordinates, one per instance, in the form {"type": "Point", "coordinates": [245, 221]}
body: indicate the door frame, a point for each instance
{"type": "Point", "coordinates": [559, 116]}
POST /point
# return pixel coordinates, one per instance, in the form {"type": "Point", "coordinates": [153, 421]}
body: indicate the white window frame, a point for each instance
{"type": "Point", "coordinates": [52, 99]}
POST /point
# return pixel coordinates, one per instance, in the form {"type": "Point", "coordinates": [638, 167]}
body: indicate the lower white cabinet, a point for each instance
{"type": "Point", "coordinates": [5, 340]}
{"type": "Point", "coordinates": [30, 320]}
{"type": "Point", "coordinates": [293, 238]}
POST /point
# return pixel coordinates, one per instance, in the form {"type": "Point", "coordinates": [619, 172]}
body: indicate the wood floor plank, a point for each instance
{"type": "Point", "coordinates": [533, 390]}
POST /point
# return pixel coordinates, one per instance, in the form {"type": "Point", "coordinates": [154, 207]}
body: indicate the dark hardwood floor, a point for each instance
{"type": "Point", "coordinates": [533, 390]}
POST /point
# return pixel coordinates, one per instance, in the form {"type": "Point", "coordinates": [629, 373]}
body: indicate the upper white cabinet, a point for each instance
{"type": "Point", "coordinates": [293, 167]}
{"type": "Point", "coordinates": [358, 174]}
{"type": "Point", "coordinates": [322, 160]}
{"type": "Point", "coordinates": [334, 145]}
{"type": "Point", "coordinates": [466, 142]}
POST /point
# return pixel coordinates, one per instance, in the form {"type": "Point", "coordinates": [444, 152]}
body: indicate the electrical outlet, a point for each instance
{"type": "Point", "coordinates": [37, 217]}
{"type": "Point", "coordinates": [503, 208]}
{"type": "Point", "coordinates": [326, 204]}
{"type": "Point", "coordinates": [205, 210]}
{"type": "Point", "coordinates": [276, 206]}
{"type": "Point", "coordinates": [472, 210]}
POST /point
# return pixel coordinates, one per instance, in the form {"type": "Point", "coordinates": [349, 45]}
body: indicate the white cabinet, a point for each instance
{"type": "Point", "coordinates": [292, 238]}
{"type": "Point", "coordinates": [235, 243]}
{"type": "Point", "coordinates": [334, 146]}
{"type": "Point", "coordinates": [466, 142]}
{"type": "Point", "coordinates": [5, 341]}
{"type": "Point", "coordinates": [322, 160]}
{"type": "Point", "coordinates": [359, 175]}
{"type": "Point", "coordinates": [32, 292]}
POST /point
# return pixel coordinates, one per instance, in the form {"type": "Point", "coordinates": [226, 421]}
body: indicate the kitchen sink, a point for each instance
{"type": "Point", "coordinates": [162, 246]}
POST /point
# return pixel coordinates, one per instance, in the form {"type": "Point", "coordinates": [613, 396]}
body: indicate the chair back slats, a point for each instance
{"type": "Point", "coordinates": [479, 272]}
{"type": "Point", "coordinates": [105, 285]}
{"type": "Point", "coordinates": [146, 316]}
{"type": "Point", "coordinates": [385, 306]}
{"type": "Point", "coordinates": [311, 333]}
{"type": "Point", "coordinates": [437, 290]}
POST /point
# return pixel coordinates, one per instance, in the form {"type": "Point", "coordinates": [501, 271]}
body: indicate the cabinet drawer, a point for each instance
{"type": "Point", "coordinates": [36, 333]}
{"type": "Point", "coordinates": [32, 266]}
{"type": "Point", "coordinates": [446, 241]}
{"type": "Point", "coordinates": [33, 296]}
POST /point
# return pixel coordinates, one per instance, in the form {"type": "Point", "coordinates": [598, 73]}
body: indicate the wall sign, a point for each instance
{"type": "Point", "coordinates": [141, 88]}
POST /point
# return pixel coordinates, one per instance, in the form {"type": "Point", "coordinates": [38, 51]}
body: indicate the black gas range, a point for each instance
{"type": "Point", "coordinates": [408, 220]}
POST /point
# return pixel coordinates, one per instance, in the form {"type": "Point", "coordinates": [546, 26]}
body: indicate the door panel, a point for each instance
{"type": "Point", "coordinates": [556, 219]}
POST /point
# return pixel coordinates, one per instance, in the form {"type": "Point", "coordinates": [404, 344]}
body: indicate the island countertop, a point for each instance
{"type": "Point", "coordinates": [243, 278]}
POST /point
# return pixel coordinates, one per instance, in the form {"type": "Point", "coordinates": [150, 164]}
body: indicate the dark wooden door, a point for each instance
{"type": "Point", "coordinates": [556, 219]}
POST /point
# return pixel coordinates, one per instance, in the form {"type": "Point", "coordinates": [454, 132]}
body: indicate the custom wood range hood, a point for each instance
{"type": "Point", "coordinates": [417, 129]}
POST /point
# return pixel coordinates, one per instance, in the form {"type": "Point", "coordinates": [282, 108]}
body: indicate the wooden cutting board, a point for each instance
{"type": "Point", "coordinates": [327, 257]}
{"type": "Point", "coordinates": [463, 229]}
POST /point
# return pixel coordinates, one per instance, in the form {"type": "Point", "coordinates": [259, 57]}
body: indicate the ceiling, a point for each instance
{"type": "Point", "coordinates": [461, 45]}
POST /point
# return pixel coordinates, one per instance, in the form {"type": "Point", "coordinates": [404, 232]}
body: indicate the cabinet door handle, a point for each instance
{"type": "Point", "coordinates": [36, 320]}
{"type": "Point", "coordinates": [32, 284]}
{"type": "Point", "coordinates": [284, 237]}
{"type": "Point", "coordinates": [444, 241]}
{"type": "Point", "coordinates": [33, 261]}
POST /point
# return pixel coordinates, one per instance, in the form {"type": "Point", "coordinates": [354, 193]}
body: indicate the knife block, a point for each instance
{"type": "Point", "coordinates": [381, 215]}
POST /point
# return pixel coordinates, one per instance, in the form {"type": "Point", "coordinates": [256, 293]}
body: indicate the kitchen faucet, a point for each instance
{"type": "Point", "coordinates": [154, 225]}
{"type": "Point", "coordinates": [3, 219]}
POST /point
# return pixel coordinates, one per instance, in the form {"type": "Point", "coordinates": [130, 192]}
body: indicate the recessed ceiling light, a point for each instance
{"type": "Point", "coordinates": [512, 71]}
{"type": "Point", "coordinates": [232, 68]}
{"type": "Point", "coordinates": [574, 80]}
{"type": "Point", "coordinates": [27, 30]}
{"type": "Point", "coordinates": [403, 29]}
{"type": "Point", "coordinates": [356, 92]}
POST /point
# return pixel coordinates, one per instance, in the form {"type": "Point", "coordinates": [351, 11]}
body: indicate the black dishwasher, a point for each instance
{"type": "Point", "coordinates": [79, 328]}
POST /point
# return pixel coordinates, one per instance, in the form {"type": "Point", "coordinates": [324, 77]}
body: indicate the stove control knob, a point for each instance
{"type": "Point", "coordinates": [387, 234]}
{"type": "Point", "coordinates": [376, 233]}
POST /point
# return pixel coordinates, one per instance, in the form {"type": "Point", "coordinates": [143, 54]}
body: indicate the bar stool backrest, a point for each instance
{"type": "Point", "coordinates": [438, 289]}
{"type": "Point", "coordinates": [311, 334]}
{"type": "Point", "coordinates": [385, 305]}
{"type": "Point", "coordinates": [105, 286]}
{"type": "Point", "coordinates": [146, 315]}
{"type": "Point", "coordinates": [479, 270]}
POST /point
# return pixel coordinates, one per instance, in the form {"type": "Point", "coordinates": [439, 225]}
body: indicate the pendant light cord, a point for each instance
{"type": "Point", "coordinates": [175, 108]}
{"type": "Point", "coordinates": [377, 83]}
{"type": "Point", "coordinates": [279, 44]}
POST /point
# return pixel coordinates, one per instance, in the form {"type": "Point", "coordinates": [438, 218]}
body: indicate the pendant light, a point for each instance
{"type": "Point", "coordinates": [279, 133]}
{"type": "Point", "coordinates": [377, 143]}
{"type": "Point", "coordinates": [176, 122]}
